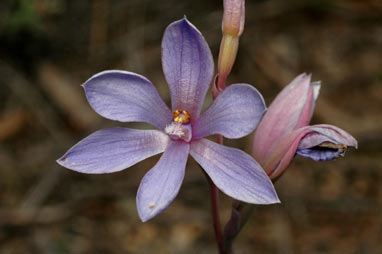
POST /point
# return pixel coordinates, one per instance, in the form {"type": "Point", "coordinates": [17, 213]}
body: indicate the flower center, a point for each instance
{"type": "Point", "coordinates": [181, 116]}
{"type": "Point", "coordinates": [180, 128]}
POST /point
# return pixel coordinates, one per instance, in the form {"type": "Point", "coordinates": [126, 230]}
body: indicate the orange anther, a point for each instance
{"type": "Point", "coordinates": [181, 116]}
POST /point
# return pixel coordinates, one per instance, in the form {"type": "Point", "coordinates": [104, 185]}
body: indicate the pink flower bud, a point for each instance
{"type": "Point", "coordinates": [292, 109]}
{"type": "Point", "coordinates": [232, 27]}
{"type": "Point", "coordinates": [284, 131]}
{"type": "Point", "coordinates": [233, 18]}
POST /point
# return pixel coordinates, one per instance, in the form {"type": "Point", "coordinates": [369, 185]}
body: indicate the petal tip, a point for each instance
{"type": "Point", "coordinates": [182, 21]}
{"type": "Point", "coordinates": [304, 75]}
{"type": "Point", "coordinates": [353, 142]}
{"type": "Point", "coordinates": [271, 198]}
{"type": "Point", "coordinates": [278, 201]}
{"type": "Point", "coordinates": [62, 160]}
{"type": "Point", "coordinates": [185, 22]}
{"type": "Point", "coordinates": [316, 86]}
{"type": "Point", "coordinates": [144, 218]}
{"type": "Point", "coordinates": [147, 214]}
{"type": "Point", "coordinates": [275, 199]}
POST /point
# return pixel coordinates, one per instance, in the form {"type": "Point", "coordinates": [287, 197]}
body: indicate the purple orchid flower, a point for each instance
{"type": "Point", "coordinates": [128, 97]}
{"type": "Point", "coordinates": [284, 131]}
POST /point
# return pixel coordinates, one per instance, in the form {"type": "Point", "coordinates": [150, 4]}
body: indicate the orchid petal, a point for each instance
{"type": "Point", "coordinates": [127, 97]}
{"type": "Point", "coordinates": [318, 142]}
{"type": "Point", "coordinates": [234, 172]}
{"type": "Point", "coordinates": [161, 184]}
{"type": "Point", "coordinates": [112, 150]}
{"type": "Point", "coordinates": [325, 142]}
{"type": "Point", "coordinates": [321, 154]}
{"type": "Point", "coordinates": [235, 113]}
{"type": "Point", "coordinates": [188, 66]}
{"type": "Point", "coordinates": [292, 109]}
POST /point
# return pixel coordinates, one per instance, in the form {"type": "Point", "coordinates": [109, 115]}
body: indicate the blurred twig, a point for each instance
{"type": "Point", "coordinates": [98, 28]}
{"type": "Point", "coordinates": [11, 122]}
{"type": "Point", "coordinates": [25, 217]}
{"type": "Point", "coordinates": [67, 95]}
{"type": "Point", "coordinates": [28, 96]}
{"type": "Point", "coordinates": [41, 190]}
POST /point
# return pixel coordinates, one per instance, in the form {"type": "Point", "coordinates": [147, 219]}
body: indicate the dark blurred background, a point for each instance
{"type": "Point", "coordinates": [49, 47]}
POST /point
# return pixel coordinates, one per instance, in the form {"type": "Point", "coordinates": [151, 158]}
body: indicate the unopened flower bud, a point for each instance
{"type": "Point", "coordinates": [232, 27]}
{"type": "Point", "coordinates": [233, 18]}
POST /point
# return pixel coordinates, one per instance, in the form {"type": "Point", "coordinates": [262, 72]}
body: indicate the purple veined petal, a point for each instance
{"type": "Point", "coordinates": [235, 113]}
{"type": "Point", "coordinates": [187, 65]}
{"type": "Point", "coordinates": [161, 184]}
{"type": "Point", "coordinates": [324, 141]}
{"type": "Point", "coordinates": [234, 172]}
{"type": "Point", "coordinates": [319, 153]}
{"type": "Point", "coordinates": [291, 109]}
{"type": "Point", "coordinates": [127, 97]}
{"type": "Point", "coordinates": [112, 150]}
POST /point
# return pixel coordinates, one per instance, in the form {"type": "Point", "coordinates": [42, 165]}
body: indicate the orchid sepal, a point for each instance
{"type": "Point", "coordinates": [318, 142]}
{"type": "Point", "coordinates": [291, 109]}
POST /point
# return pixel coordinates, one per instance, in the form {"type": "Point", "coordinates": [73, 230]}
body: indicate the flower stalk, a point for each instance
{"type": "Point", "coordinates": [215, 204]}
{"type": "Point", "coordinates": [232, 28]}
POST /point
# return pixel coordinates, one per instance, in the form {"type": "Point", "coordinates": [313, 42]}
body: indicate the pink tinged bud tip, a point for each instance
{"type": "Point", "coordinates": [233, 17]}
